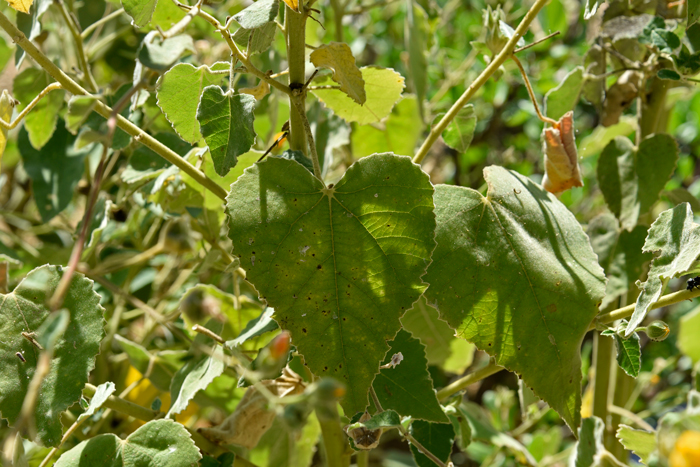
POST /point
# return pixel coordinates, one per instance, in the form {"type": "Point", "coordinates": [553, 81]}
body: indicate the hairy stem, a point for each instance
{"type": "Point", "coordinates": [466, 380]}
{"type": "Point", "coordinates": [498, 60]}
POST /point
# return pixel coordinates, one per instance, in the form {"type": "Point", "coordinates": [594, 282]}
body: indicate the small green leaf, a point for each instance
{"type": "Point", "coordinates": [159, 54]}
{"type": "Point", "coordinates": [642, 443]}
{"type": "Point", "coordinates": [667, 73]}
{"type": "Point", "coordinates": [386, 419]}
{"type": "Point", "coordinates": [590, 442]}
{"type": "Point", "coordinates": [41, 121]}
{"type": "Point", "coordinates": [299, 157]}
{"type": "Point", "coordinates": [332, 260]}
{"type": "Point", "coordinates": [459, 133]}
{"type": "Point", "coordinates": [693, 12]}
{"type": "Point", "coordinates": [179, 92]}
{"type": "Point", "coordinates": [55, 170]}
{"type": "Point", "coordinates": [629, 351]}
{"type": "Point", "coordinates": [199, 371]}
{"type": "Point", "coordinates": [159, 443]}
{"type": "Point", "coordinates": [435, 437]}
{"type": "Point", "coordinates": [630, 179]}
{"type": "Point", "coordinates": [226, 121]}
{"type": "Point", "coordinates": [488, 268]}
{"type": "Point", "coordinates": [102, 393]}
{"type": "Point", "coordinates": [338, 57]}
{"type": "Point", "coordinates": [79, 109]}
{"type": "Point", "coordinates": [564, 97]}
{"type": "Point", "coordinates": [408, 388]}
{"type": "Point", "coordinates": [383, 87]}
{"type": "Point", "coordinates": [258, 14]}
{"type": "Point", "coordinates": [675, 240]}
{"type": "Point", "coordinates": [686, 63]}
{"type": "Point", "coordinates": [140, 11]}
{"type": "Point", "coordinates": [74, 352]}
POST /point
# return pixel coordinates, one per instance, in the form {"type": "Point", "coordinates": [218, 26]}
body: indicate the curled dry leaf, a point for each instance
{"type": "Point", "coordinates": [258, 92]}
{"type": "Point", "coordinates": [619, 97]}
{"type": "Point", "coordinates": [363, 438]}
{"type": "Point", "coordinates": [253, 416]}
{"type": "Point", "coordinates": [561, 170]}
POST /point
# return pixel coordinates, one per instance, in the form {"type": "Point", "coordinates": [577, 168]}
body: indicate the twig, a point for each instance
{"type": "Point", "coordinates": [79, 46]}
{"type": "Point", "coordinates": [375, 399]}
{"type": "Point", "coordinates": [182, 24]}
{"type": "Point", "coordinates": [88, 30]}
{"type": "Point", "coordinates": [532, 94]}
{"type": "Point", "coordinates": [639, 421]}
{"type": "Point", "coordinates": [465, 381]}
{"type": "Point", "coordinates": [25, 111]}
{"type": "Point", "coordinates": [207, 332]}
{"type": "Point", "coordinates": [525, 47]}
{"type": "Point", "coordinates": [498, 60]}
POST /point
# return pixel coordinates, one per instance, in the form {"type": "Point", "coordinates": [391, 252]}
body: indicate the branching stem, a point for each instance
{"type": "Point", "coordinates": [20, 117]}
{"type": "Point", "coordinates": [532, 93]}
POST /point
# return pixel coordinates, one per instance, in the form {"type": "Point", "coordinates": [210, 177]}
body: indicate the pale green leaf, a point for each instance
{"type": "Point", "coordinates": [226, 121]}
{"type": "Point", "coordinates": [675, 240]}
{"type": "Point", "coordinates": [29, 24]}
{"type": "Point", "coordinates": [407, 388]}
{"type": "Point", "coordinates": [200, 370]}
{"type": "Point", "coordinates": [640, 442]}
{"type": "Point", "coordinates": [166, 15]}
{"type": "Point", "coordinates": [338, 57]}
{"type": "Point", "coordinates": [25, 310]}
{"type": "Point", "coordinates": [688, 332]}
{"type": "Point", "coordinates": [159, 54]}
{"type": "Point", "coordinates": [459, 133]}
{"type": "Point", "coordinates": [260, 41]}
{"type": "Point", "coordinates": [102, 393]}
{"type": "Point", "coordinates": [281, 446]}
{"type": "Point", "coordinates": [79, 109]}
{"type": "Point", "coordinates": [517, 256]}
{"type": "Point", "coordinates": [564, 97]}
{"type": "Point", "coordinates": [41, 121]}
{"type": "Point", "coordinates": [630, 179]}
{"type": "Point", "coordinates": [599, 138]}
{"type": "Point", "coordinates": [590, 443]}
{"type": "Point", "coordinates": [159, 443]}
{"type": "Point", "coordinates": [383, 87]}
{"type": "Point", "coordinates": [258, 14]}
{"type": "Point", "coordinates": [593, 90]}
{"type": "Point", "coordinates": [140, 11]}
{"type": "Point", "coordinates": [399, 134]}
{"type": "Point", "coordinates": [339, 265]}
{"type": "Point", "coordinates": [179, 91]}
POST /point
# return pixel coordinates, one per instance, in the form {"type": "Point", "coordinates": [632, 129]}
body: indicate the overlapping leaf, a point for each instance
{"type": "Point", "coordinates": [515, 274]}
{"type": "Point", "coordinates": [159, 443]}
{"type": "Point", "coordinates": [338, 57]}
{"type": "Point", "coordinates": [629, 351]}
{"type": "Point", "coordinates": [25, 310]}
{"type": "Point", "coordinates": [675, 240]}
{"type": "Point", "coordinates": [630, 179]}
{"type": "Point", "coordinates": [339, 265]}
{"type": "Point", "coordinates": [40, 123]}
{"type": "Point", "coordinates": [160, 54]}
{"type": "Point", "coordinates": [399, 134]}
{"type": "Point", "coordinates": [140, 11]}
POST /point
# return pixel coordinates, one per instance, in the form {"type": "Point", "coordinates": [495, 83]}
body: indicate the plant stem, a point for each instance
{"type": "Point", "coordinates": [465, 381]}
{"type": "Point", "coordinates": [338, 13]}
{"type": "Point", "coordinates": [362, 458]}
{"type": "Point", "coordinates": [21, 115]}
{"type": "Point", "coordinates": [420, 447]}
{"type": "Point", "coordinates": [298, 105]}
{"type": "Point", "coordinates": [74, 88]}
{"type": "Point", "coordinates": [296, 57]}
{"type": "Point", "coordinates": [603, 354]}
{"type": "Point", "coordinates": [79, 47]}
{"type": "Point", "coordinates": [498, 60]}
{"type": "Point", "coordinates": [532, 93]}
{"type": "Point", "coordinates": [334, 444]}
{"type": "Point", "coordinates": [623, 388]}
{"type": "Point", "coordinates": [639, 421]}
{"type": "Point", "coordinates": [88, 30]}
{"type": "Point", "coordinates": [124, 406]}
{"type": "Point", "coordinates": [626, 311]}
{"type": "Point", "coordinates": [652, 111]}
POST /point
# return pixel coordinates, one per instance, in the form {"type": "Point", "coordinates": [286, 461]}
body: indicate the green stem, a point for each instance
{"type": "Point", "coordinates": [652, 111]}
{"type": "Point", "coordinates": [363, 459]}
{"type": "Point", "coordinates": [123, 406]}
{"type": "Point", "coordinates": [623, 388]}
{"type": "Point", "coordinates": [29, 107]}
{"type": "Point", "coordinates": [295, 28]}
{"type": "Point", "coordinates": [334, 444]}
{"type": "Point", "coordinates": [79, 47]}
{"type": "Point", "coordinates": [465, 381]}
{"type": "Point", "coordinates": [338, 14]}
{"type": "Point", "coordinates": [74, 88]}
{"type": "Point", "coordinates": [626, 311]}
{"type": "Point", "coordinates": [498, 60]}
{"type": "Point", "coordinates": [603, 353]}
{"type": "Point", "coordinates": [88, 30]}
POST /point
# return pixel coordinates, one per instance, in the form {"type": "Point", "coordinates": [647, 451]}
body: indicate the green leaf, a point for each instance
{"type": "Point", "coordinates": [79, 109]}
{"type": "Point", "coordinates": [102, 393]}
{"type": "Point", "coordinates": [41, 121]}
{"type": "Point", "coordinates": [460, 424]}
{"type": "Point", "coordinates": [459, 133]}
{"type": "Point", "coordinates": [642, 443]}
{"type": "Point", "coordinates": [593, 90]}
{"type": "Point", "coordinates": [599, 138]}
{"type": "Point", "coordinates": [517, 256]}
{"type": "Point", "coordinates": [281, 446]}
{"type": "Point", "coordinates": [693, 12]}
{"type": "Point", "coordinates": [255, 327]}
{"type": "Point", "coordinates": [29, 24]}
{"type": "Point", "coordinates": [399, 135]}
{"type": "Point", "coordinates": [564, 97]}
{"type": "Point", "coordinates": [629, 351]}
{"type": "Point", "coordinates": [667, 73]}
{"type": "Point", "coordinates": [688, 332]}
{"type": "Point", "coordinates": [339, 265]}
{"type": "Point", "coordinates": [386, 419]}
{"type": "Point", "coordinates": [590, 443]}
{"type": "Point", "coordinates": [55, 170]}
{"type": "Point", "coordinates": [383, 87]}
{"type": "Point", "coordinates": [619, 253]}
{"type": "Point", "coordinates": [260, 41]}
{"type": "Point", "coordinates": [162, 370]}
{"type": "Point", "coordinates": [25, 310]}
{"type": "Point", "coordinates": [179, 91]}
{"type": "Point", "coordinates": [258, 14]}
{"type": "Point", "coordinates": [656, 34]}
{"type": "Point", "coordinates": [144, 164]}
{"type": "Point", "coordinates": [158, 443]}
{"type": "Point", "coordinates": [416, 36]}
{"type": "Point", "coordinates": [435, 437]}
{"type": "Point", "coordinates": [299, 157]}
{"type": "Point", "coordinates": [166, 15]}
{"type": "Point", "coordinates": [632, 180]}
{"type": "Point", "coordinates": [226, 121]}
{"type": "Point", "coordinates": [408, 388]}
{"type": "Point", "coordinates": [140, 11]}
{"type": "Point", "coordinates": [159, 54]}
{"type": "Point", "coordinates": [338, 57]}
{"type": "Point", "coordinates": [200, 370]}
{"type": "Point", "coordinates": [675, 240]}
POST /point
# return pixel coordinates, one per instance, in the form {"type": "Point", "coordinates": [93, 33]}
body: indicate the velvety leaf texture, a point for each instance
{"type": "Point", "coordinates": [632, 180]}
{"type": "Point", "coordinates": [339, 265]}
{"type": "Point", "coordinates": [226, 121]}
{"type": "Point", "coordinates": [515, 274]}
{"type": "Point", "coordinates": [408, 388]}
{"type": "Point", "coordinates": [159, 443]}
{"type": "Point", "coordinates": [24, 310]}
{"type": "Point", "coordinates": [675, 240]}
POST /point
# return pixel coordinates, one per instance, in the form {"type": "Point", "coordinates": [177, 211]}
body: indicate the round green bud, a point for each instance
{"type": "Point", "coordinates": [657, 330]}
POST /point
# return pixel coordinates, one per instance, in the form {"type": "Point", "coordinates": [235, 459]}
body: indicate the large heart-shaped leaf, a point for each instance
{"type": "Point", "coordinates": [339, 265]}
{"type": "Point", "coordinates": [24, 310]}
{"type": "Point", "coordinates": [515, 274]}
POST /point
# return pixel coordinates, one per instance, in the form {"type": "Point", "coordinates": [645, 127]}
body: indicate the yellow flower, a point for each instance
{"type": "Point", "coordinates": [686, 452]}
